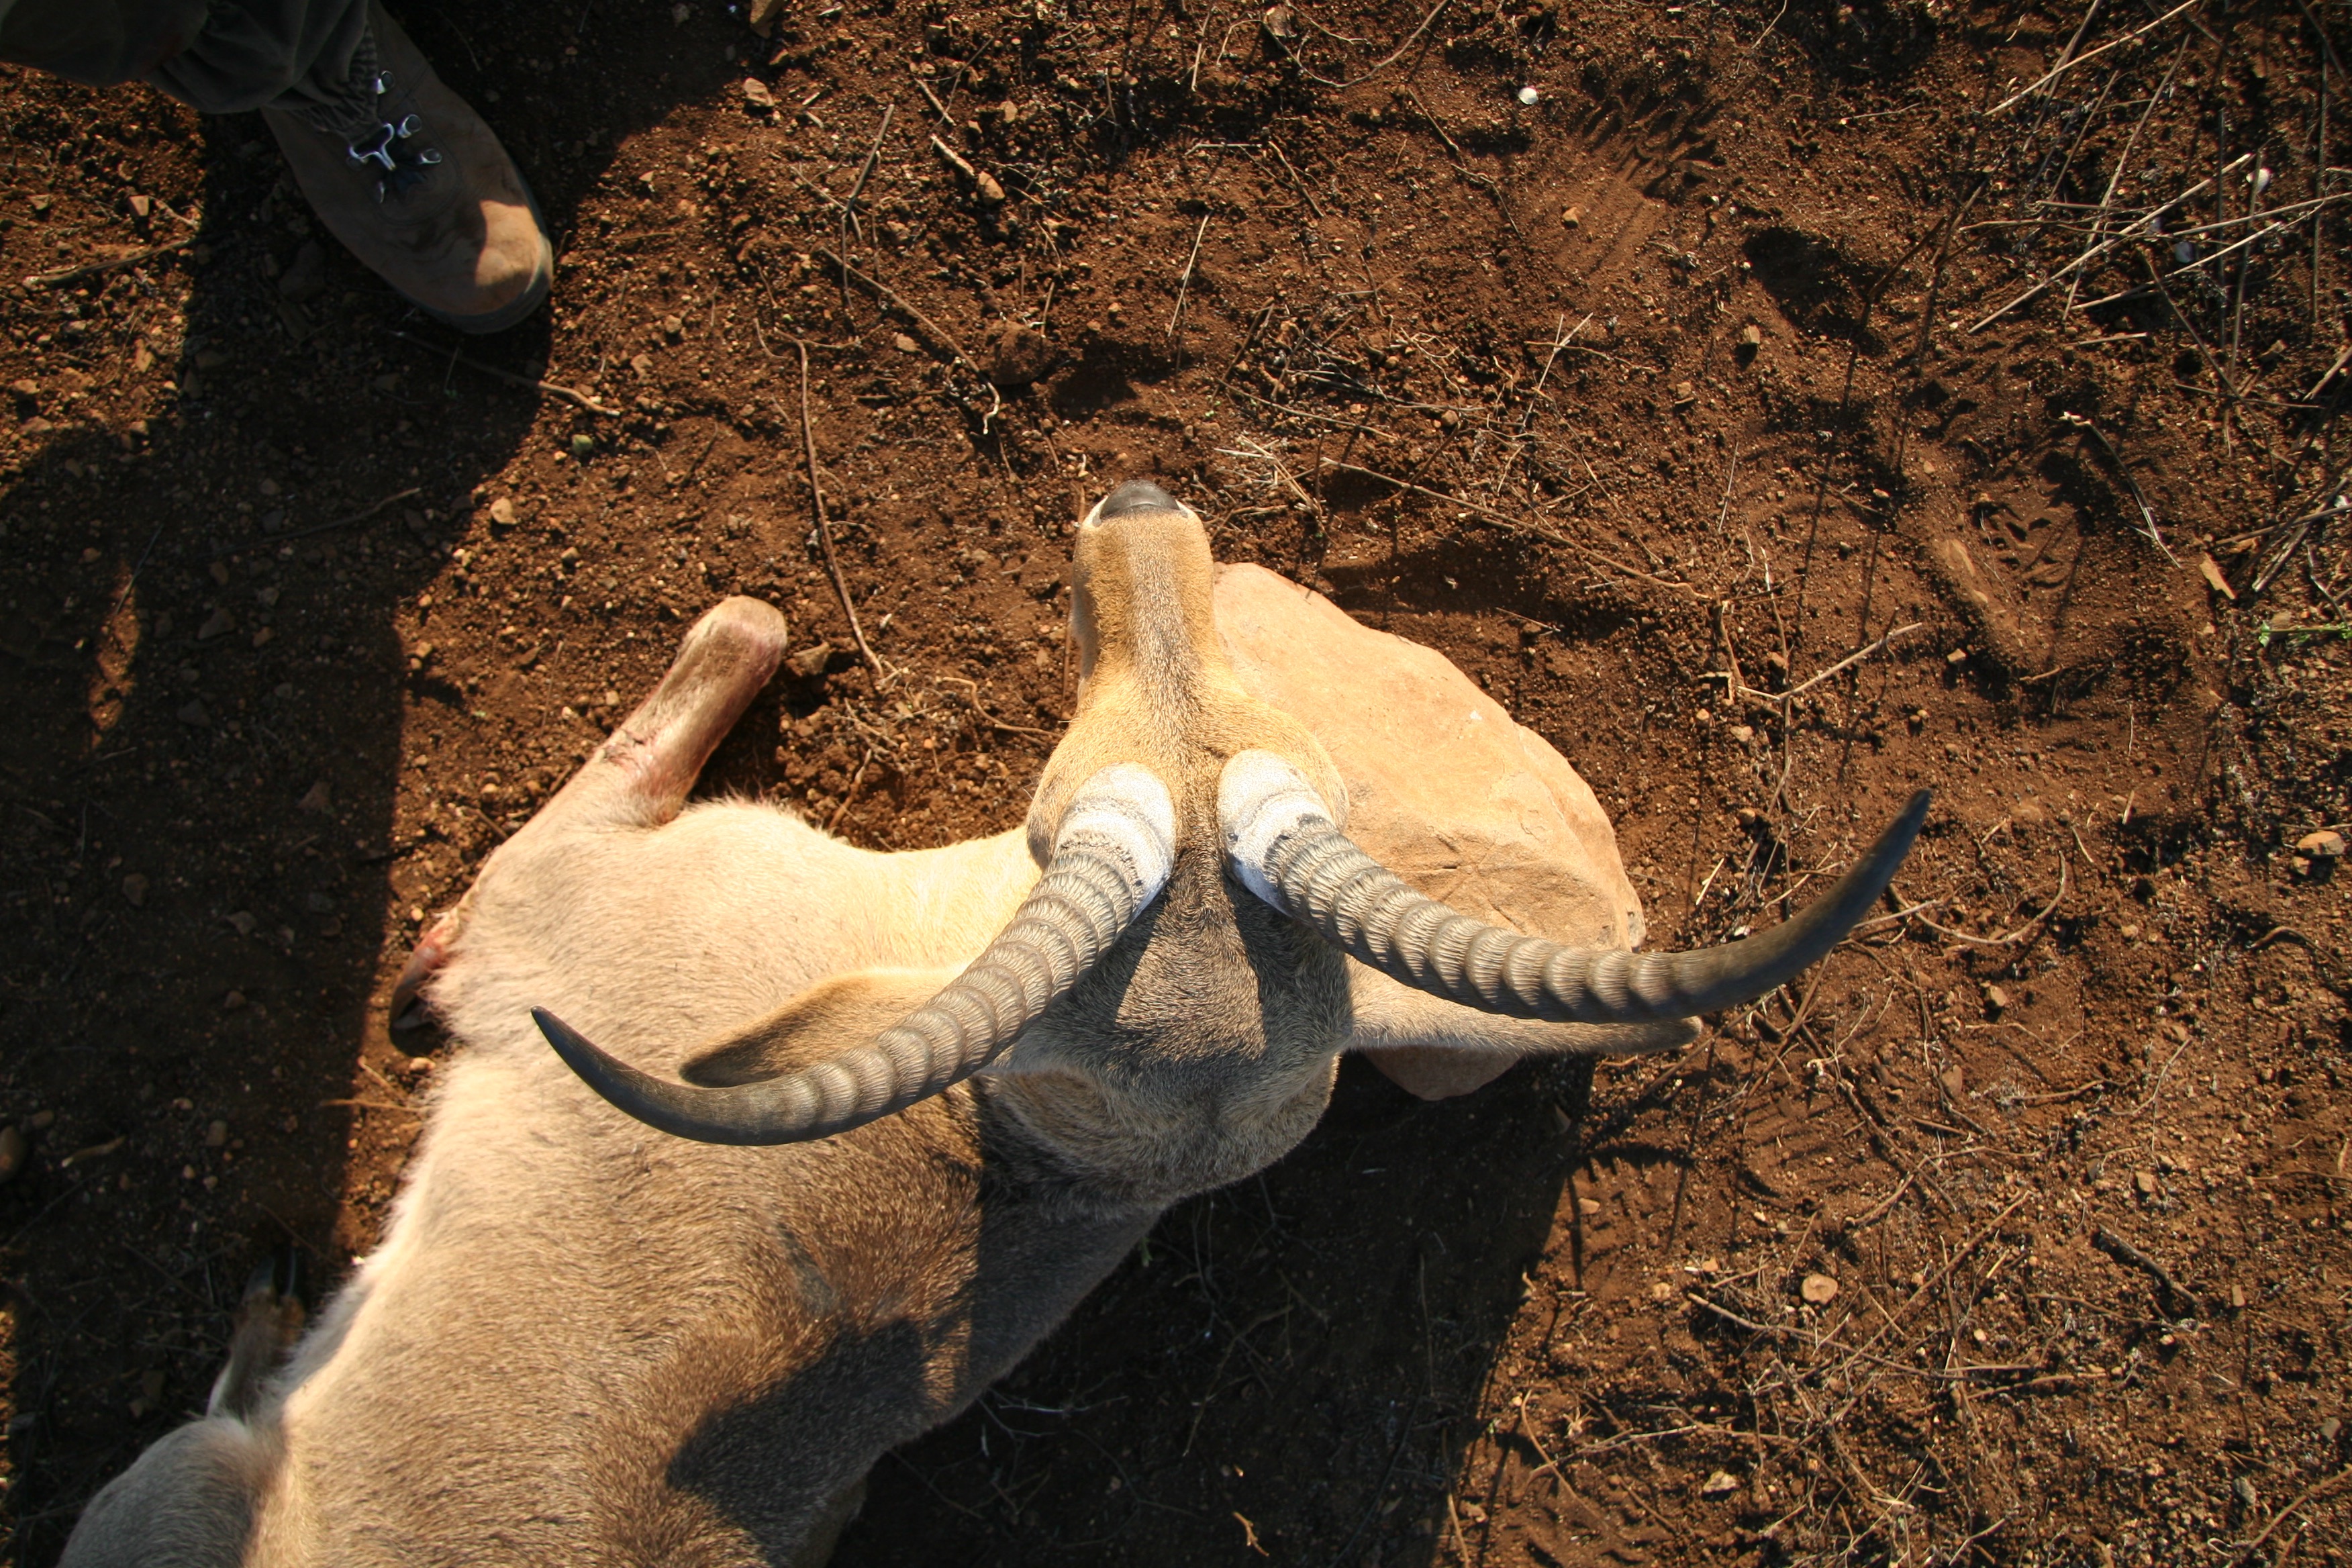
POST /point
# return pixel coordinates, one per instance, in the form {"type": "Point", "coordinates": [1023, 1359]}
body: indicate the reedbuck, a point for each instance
{"type": "Point", "coordinates": [861, 1127]}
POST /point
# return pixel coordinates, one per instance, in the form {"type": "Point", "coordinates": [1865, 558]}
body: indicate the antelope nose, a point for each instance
{"type": "Point", "coordinates": [1136, 495]}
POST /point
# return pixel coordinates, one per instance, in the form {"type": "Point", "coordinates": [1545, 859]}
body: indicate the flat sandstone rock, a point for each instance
{"type": "Point", "coordinates": [1457, 798]}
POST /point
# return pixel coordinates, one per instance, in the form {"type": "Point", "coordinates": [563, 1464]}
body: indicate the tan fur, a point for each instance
{"type": "Point", "coordinates": [585, 1342]}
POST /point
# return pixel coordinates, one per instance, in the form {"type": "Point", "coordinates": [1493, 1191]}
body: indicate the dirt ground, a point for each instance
{"type": "Point", "coordinates": [2018, 1234]}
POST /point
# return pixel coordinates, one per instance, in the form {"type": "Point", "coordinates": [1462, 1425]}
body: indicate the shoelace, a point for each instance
{"type": "Point", "coordinates": [403, 165]}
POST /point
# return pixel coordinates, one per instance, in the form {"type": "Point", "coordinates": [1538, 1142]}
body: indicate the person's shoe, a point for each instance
{"type": "Point", "coordinates": [427, 198]}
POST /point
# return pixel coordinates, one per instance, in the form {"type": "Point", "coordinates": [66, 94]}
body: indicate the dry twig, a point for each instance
{"type": "Point", "coordinates": [823, 530]}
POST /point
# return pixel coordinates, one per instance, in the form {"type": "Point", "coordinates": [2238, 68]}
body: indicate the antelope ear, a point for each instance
{"type": "Point", "coordinates": [1437, 1049]}
{"type": "Point", "coordinates": [837, 1014]}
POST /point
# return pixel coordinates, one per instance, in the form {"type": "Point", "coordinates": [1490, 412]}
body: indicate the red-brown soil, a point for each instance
{"type": "Point", "coordinates": [1647, 403]}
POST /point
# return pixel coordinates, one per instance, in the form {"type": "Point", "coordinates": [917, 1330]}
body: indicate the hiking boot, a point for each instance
{"type": "Point", "coordinates": [424, 196]}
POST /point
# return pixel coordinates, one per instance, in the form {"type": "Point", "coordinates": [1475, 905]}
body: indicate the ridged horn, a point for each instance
{"type": "Point", "coordinates": [1111, 856]}
{"type": "Point", "coordinates": [1281, 842]}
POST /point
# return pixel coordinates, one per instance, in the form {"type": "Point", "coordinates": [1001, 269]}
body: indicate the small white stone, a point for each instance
{"type": "Point", "coordinates": [1529, 95]}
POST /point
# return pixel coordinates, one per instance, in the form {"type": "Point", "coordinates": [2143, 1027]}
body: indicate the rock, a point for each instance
{"type": "Point", "coordinates": [1819, 1290]}
{"type": "Point", "coordinates": [233, 1001]}
{"type": "Point", "coordinates": [1722, 1483]}
{"type": "Point", "coordinates": [195, 714]}
{"type": "Point", "coordinates": [905, 344]}
{"type": "Point", "coordinates": [1588, 1207]}
{"type": "Point", "coordinates": [305, 278]}
{"type": "Point", "coordinates": [2323, 845]}
{"type": "Point", "coordinates": [986, 190]}
{"type": "Point", "coordinates": [1953, 1081]}
{"type": "Point", "coordinates": [217, 1134]}
{"type": "Point", "coordinates": [2210, 569]}
{"type": "Point", "coordinates": [1685, 394]}
{"type": "Point", "coordinates": [1454, 797]}
{"type": "Point", "coordinates": [1020, 357]}
{"type": "Point", "coordinates": [584, 446]}
{"type": "Point", "coordinates": [141, 205]}
{"type": "Point", "coordinates": [642, 364]}
{"type": "Point", "coordinates": [243, 922]}
{"type": "Point", "coordinates": [317, 800]}
{"type": "Point", "coordinates": [2144, 1183]}
{"type": "Point", "coordinates": [1996, 1000]}
{"type": "Point", "coordinates": [809, 663]}
{"type": "Point", "coordinates": [757, 94]}
{"type": "Point", "coordinates": [1572, 218]}
{"type": "Point", "coordinates": [14, 1149]}
{"type": "Point", "coordinates": [502, 511]}
{"type": "Point", "coordinates": [1752, 337]}
{"type": "Point", "coordinates": [218, 624]}
{"type": "Point", "coordinates": [1528, 97]}
{"type": "Point", "coordinates": [1280, 24]}
{"type": "Point", "coordinates": [41, 1121]}
{"type": "Point", "coordinates": [134, 890]}
{"type": "Point", "coordinates": [673, 328]}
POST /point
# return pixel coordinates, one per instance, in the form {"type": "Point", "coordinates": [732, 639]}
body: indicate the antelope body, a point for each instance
{"type": "Point", "coordinates": [876, 1121]}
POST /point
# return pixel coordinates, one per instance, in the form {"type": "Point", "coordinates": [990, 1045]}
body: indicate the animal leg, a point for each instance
{"type": "Point", "coordinates": [266, 1321]}
{"type": "Point", "coordinates": [640, 775]}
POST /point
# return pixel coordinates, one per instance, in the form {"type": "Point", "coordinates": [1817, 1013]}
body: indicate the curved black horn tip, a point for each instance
{"type": "Point", "coordinates": [579, 1053]}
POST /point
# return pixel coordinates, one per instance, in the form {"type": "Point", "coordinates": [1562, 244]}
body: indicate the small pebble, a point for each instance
{"type": "Point", "coordinates": [905, 344]}
{"type": "Point", "coordinates": [1722, 1483]}
{"type": "Point", "coordinates": [1819, 1290]}
{"type": "Point", "coordinates": [1530, 96]}
{"type": "Point", "coordinates": [583, 445]}
{"type": "Point", "coordinates": [1996, 999]}
{"type": "Point", "coordinates": [1572, 218]}
{"type": "Point", "coordinates": [2325, 845]}
{"type": "Point", "coordinates": [216, 1134]}
{"type": "Point", "coordinates": [134, 890]}
{"type": "Point", "coordinates": [1751, 336]}
{"type": "Point", "coordinates": [502, 511]}
{"type": "Point", "coordinates": [14, 1148]}
{"type": "Point", "coordinates": [232, 1002]}
{"type": "Point", "coordinates": [757, 94]}
{"type": "Point", "coordinates": [317, 800]}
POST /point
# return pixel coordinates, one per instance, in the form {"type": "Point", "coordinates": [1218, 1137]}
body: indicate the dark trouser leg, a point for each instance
{"type": "Point", "coordinates": [313, 56]}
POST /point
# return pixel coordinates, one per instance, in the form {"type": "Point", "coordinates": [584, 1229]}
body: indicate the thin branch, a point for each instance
{"type": "Point", "coordinates": [2065, 66]}
{"type": "Point", "coordinates": [65, 277]}
{"type": "Point", "coordinates": [825, 531]}
{"type": "Point", "coordinates": [1184, 284]}
{"type": "Point", "coordinates": [570, 394]}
